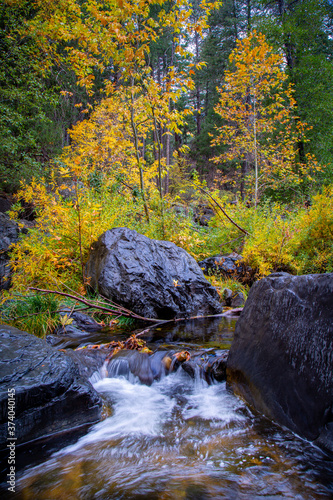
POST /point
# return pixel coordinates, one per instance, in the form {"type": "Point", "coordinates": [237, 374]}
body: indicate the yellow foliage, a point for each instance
{"type": "Point", "coordinates": [299, 241]}
{"type": "Point", "coordinates": [260, 123]}
{"type": "Point", "coordinates": [52, 253]}
{"type": "Point", "coordinates": [268, 248]}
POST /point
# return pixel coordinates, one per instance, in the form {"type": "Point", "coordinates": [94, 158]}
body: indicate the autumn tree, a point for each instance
{"type": "Point", "coordinates": [260, 127]}
{"type": "Point", "coordinates": [113, 41]}
{"type": "Point", "coordinates": [103, 34]}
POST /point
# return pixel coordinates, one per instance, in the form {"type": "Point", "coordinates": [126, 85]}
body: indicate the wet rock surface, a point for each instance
{"type": "Point", "coordinates": [232, 299]}
{"type": "Point", "coordinates": [228, 265]}
{"type": "Point", "coordinates": [50, 395]}
{"type": "Point", "coordinates": [155, 279]}
{"type": "Point", "coordinates": [281, 359]}
{"type": "Point", "coordinates": [88, 360]}
{"type": "Point", "coordinates": [77, 325]}
{"type": "Point", "coordinates": [209, 366]}
{"type": "Point", "coordinates": [9, 234]}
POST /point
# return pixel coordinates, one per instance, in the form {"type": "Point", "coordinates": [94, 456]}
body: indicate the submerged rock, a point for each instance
{"type": "Point", "coordinates": [211, 367]}
{"type": "Point", "coordinates": [139, 364]}
{"type": "Point", "coordinates": [49, 397]}
{"type": "Point", "coordinates": [155, 279]}
{"type": "Point", "coordinates": [281, 359]}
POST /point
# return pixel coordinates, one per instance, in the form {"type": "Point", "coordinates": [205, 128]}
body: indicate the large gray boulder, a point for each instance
{"type": "Point", "coordinates": [281, 359]}
{"type": "Point", "coordinates": [155, 279]}
{"type": "Point", "coordinates": [47, 393]}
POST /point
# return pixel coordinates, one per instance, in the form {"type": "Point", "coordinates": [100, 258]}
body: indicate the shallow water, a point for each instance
{"type": "Point", "coordinates": [180, 438]}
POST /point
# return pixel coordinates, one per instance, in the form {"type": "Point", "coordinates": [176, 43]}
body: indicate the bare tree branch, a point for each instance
{"type": "Point", "coordinates": [117, 308]}
{"type": "Point", "coordinates": [223, 211]}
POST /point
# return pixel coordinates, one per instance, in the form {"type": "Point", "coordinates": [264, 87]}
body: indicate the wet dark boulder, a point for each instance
{"type": "Point", "coordinates": [203, 214]}
{"type": "Point", "coordinates": [49, 397]}
{"type": "Point", "coordinates": [281, 359]}
{"type": "Point", "coordinates": [9, 234]}
{"type": "Point", "coordinates": [229, 266]}
{"type": "Point", "coordinates": [155, 279]}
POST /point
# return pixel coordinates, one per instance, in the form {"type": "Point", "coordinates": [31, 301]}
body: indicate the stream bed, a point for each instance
{"type": "Point", "coordinates": [180, 438]}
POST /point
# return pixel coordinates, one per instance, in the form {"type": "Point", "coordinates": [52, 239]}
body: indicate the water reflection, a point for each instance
{"type": "Point", "coordinates": [209, 332]}
{"type": "Point", "coordinates": [216, 332]}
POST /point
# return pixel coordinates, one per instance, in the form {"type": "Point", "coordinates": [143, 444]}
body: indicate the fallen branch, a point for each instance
{"type": "Point", "coordinates": [118, 309]}
{"type": "Point", "coordinates": [177, 320]}
{"type": "Point", "coordinates": [126, 312]}
{"type": "Point", "coordinates": [223, 211]}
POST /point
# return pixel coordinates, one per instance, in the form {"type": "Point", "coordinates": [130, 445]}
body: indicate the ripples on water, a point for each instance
{"type": "Point", "coordinates": [179, 439]}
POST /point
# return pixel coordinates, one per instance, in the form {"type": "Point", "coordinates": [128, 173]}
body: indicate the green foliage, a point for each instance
{"type": "Point", "coordinates": [35, 314]}
{"type": "Point", "coordinates": [303, 30]}
{"type": "Point", "coordinates": [268, 248]}
{"type": "Point", "coordinates": [24, 98]}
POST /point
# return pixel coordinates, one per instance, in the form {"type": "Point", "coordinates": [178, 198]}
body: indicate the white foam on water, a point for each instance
{"type": "Point", "coordinates": [137, 410]}
{"type": "Point", "coordinates": [213, 402]}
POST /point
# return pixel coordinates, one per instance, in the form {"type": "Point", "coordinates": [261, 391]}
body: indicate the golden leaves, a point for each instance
{"type": "Point", "coordinates": [259, 113]}
{"type": "Point", "coordinates": [182, 356]}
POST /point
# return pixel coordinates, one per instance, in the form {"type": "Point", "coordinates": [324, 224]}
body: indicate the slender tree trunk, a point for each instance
{"type": "Point", "coordinates": [137, 154]}
{"type": "Point", "coordinates": [244, 172]}
{"type": "Point", "coordinates": [78, 211]}
{"type": "Point", "coordinates": [248, 16]}
{"type": "Point", "coordinates": [255, 151]}
{"type": "Point", "coordinates": [198, 100]}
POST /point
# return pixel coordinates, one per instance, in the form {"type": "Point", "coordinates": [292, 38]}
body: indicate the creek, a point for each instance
{"type": "Point", "coordinates": [179, 438]}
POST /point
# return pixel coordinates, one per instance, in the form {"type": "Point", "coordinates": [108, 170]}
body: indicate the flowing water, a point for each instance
{"type": "Point", "coordinates": [179, 438]}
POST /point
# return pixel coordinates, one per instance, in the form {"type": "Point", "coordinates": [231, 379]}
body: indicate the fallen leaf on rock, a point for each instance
{"type": "Point", "coordinates": [182, 356]}
{"type": "Point", "coordinates": [167, 362]}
